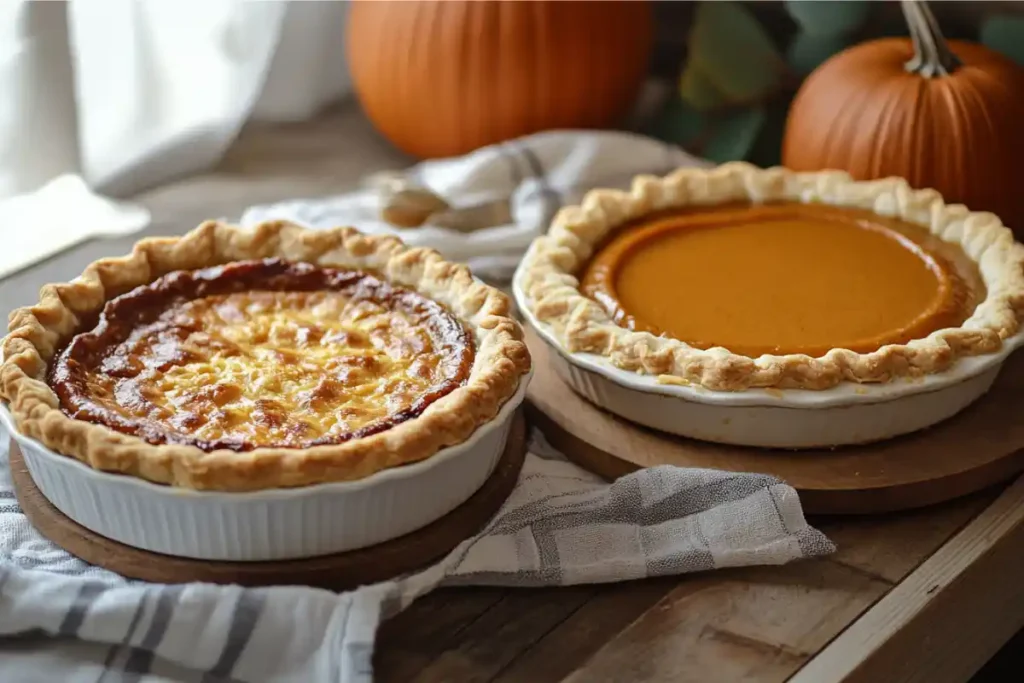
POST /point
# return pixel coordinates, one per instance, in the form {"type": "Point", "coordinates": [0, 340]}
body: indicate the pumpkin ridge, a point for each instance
{"type": "Point", "coordinates": [919, 132]}
{"type": "Point", "coordinates": [541, 108]}
{"type": "Point", "coordinates": [472, 16]}
{"type": "Point", "coordinates": [847, 119]}
{"type": "Point", "coordinates": [463, 70]}
{"type": "Point", "coordinates": [434, 27]}
{"type": "Point", "coordinates": [888, 126]}
{"type": "Point", "coordinates": [972, 132]}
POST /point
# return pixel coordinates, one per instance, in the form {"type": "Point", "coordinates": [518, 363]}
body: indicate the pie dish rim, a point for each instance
{"type": "Point", "coordinates": [37, 332]}
{"type": "Point", "coordinates": [548, 280]}
{"type": "Point", "coordinates": [233, 526]}
{"type": "Point", "coordinates": [840, 395]}
{"type": "Point", "coordinates": [281, 493]}
{"type": "Point", "coordinates": [847, 414]}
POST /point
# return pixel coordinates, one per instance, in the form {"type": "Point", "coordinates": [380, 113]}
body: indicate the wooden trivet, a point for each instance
{"type": "Point", "coordinates": [340, 571]}
{"type": "Point", "coordinates": [979, 447]}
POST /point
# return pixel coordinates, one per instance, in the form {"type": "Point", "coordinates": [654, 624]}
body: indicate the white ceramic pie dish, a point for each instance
{"type": "Point", "coordinates": [849, 413]}
{"type": "Point", "coordinates": [275, 524]}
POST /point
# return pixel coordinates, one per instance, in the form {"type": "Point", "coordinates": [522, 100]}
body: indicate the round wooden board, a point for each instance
{"type": "Point", "coordinates": [338, 572]}
{"type": "Point", "coordinates": [980, 447]}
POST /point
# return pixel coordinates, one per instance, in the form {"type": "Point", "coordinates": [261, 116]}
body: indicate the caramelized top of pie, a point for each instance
{"type": "Point", "coordinates": [783, 278]}
{"type": "Point", "coordinates": [262, 353]}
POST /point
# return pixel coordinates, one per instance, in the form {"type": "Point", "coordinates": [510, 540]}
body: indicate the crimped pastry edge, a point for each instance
{"type": "Point", "coordinates": [37, 332]}
{"type": "Point", "coordinates": [548, 278]}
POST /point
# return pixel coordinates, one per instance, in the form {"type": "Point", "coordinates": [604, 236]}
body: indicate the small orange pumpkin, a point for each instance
{"type": "Point", "coordinates": [443, 77]}
{"type": "Point", "coordinates": [949, 116]}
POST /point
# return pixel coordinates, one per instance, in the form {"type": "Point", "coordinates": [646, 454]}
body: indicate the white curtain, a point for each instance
{"type": "Point", "coordinates": [131, 93]}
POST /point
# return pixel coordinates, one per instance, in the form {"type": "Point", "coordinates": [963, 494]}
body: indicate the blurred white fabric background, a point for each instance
{"type": "Point", "coordinates": [101, 99]}
{"type": "Point", "coordinates": [129, 94]}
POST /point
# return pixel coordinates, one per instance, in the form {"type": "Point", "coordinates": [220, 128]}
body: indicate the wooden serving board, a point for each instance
{"type": "Point", "coordinates": [338, 572]}
{"type": "Point", "coordinates": [981, 446]}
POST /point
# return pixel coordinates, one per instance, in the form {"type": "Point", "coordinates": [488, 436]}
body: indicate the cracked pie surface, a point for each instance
{"type": "Point", "coordinates": [233, 359]}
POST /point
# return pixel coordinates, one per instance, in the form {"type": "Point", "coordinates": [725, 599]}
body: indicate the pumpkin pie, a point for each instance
{"type": "Point", "coordinates": [233, 359]}
{"type": "Point", "coordinates": [738, 277]}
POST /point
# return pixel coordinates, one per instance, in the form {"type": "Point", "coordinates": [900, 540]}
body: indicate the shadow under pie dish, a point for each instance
{"type": "Point", "coordinates": [764, 307]}
{"type": "Point", "coordinates": [264, 393]}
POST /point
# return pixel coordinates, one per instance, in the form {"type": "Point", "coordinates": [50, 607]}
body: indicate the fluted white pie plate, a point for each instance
{"type": "Point", "coordinates": [850, 413]}
{"type": "Point", "coordinates": [276, 524]}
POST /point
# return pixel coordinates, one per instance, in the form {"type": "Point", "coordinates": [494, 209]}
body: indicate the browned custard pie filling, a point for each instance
{"type": "Point", "coordinates": [783, 278]}
{"type": "Point", "coordinates": [262, 353]}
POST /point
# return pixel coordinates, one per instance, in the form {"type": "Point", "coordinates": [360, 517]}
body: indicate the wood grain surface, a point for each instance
{"type": "Point", "coordinates": [948, 617]}
{"type": "Point", "coordinates": [339, 571]}
{"type": "Point", "coordinates": [757, 625]}
{"type": "Point", "coordinates": [981, 446]}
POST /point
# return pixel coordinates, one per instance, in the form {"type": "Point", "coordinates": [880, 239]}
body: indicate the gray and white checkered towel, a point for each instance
{"type": "Point", "coordinates": [63, 620]}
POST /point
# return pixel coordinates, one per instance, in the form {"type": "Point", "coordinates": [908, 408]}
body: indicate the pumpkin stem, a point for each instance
{"type": "Point", "coordinates": [932, 56]}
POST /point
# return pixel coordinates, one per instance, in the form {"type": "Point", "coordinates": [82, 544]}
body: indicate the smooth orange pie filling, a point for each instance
{"type": "Point", "coordinates": [783, 278]}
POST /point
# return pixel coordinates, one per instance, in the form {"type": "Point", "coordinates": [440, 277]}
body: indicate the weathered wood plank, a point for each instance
{"type": "Point", "coordinates": [942, 622]}
{"type": "Point", "coordinates": [489, 644]}
{"type": "Point", "coordinates": [411, 640]}
{"type": "Point", "coordinates": [757, 624]}
{"type": "Point", "coordinates": [891, 546]}
{"type": "Point", "coordinates": [572, 642]}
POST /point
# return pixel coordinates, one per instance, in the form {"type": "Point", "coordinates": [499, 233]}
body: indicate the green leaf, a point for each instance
{"type": "Point", "coordinates": [809, 50]}
{"type": "Point", "coordinates": [678, 123]}
{"type": "Point", "coordinates": [720, 137]}
{"type": "Point", "coordinates": [731, 137]}
{"type": "Point", "coordinates": [734, 52]}
{"type": "Point", "coordinates": [698, 90]}
{"type": "Point", "coordinates": [1004, 33]}
{"type": "Point", "coordinates": [828, 17]}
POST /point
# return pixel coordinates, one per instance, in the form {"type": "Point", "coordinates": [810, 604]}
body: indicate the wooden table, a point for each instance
{"type": "Point", "coordinates": [924, 596]}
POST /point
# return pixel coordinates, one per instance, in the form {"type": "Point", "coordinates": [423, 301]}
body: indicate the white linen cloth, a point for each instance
{"type": "Point", "coordinates": [111, 97]}
{"type": "Point", "coordinates": [129, 94]}
{"type": "Point", "coordinates": [62, 213]}
{"type": "Point", "coordinates": [64, 620]}
{"type": "Point", "coordinates": [538, 173]}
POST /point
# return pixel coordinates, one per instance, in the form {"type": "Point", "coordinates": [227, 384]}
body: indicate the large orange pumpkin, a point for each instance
{"type": "Point", "coordinates": [944, 115]}
{"type": "Point", "coordinates": [443, 77]}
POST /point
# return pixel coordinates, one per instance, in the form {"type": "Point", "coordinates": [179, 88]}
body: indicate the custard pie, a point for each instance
{"type": "Point", "coordinates": [737, 277]}
{"type": "Point", "coordinates": [233, 359]}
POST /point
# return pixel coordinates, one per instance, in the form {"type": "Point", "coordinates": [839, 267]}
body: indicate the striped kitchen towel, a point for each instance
{"type": "Point", "coordinates": [537, 174]}
{"type": "Point", "coordinates": [63, 620]}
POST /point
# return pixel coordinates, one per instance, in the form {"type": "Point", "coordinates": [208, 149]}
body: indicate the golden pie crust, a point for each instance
{"type": "Point", "coordinates": [225, 390]}
{"type": "Point", "coordinates": [551, 271]}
